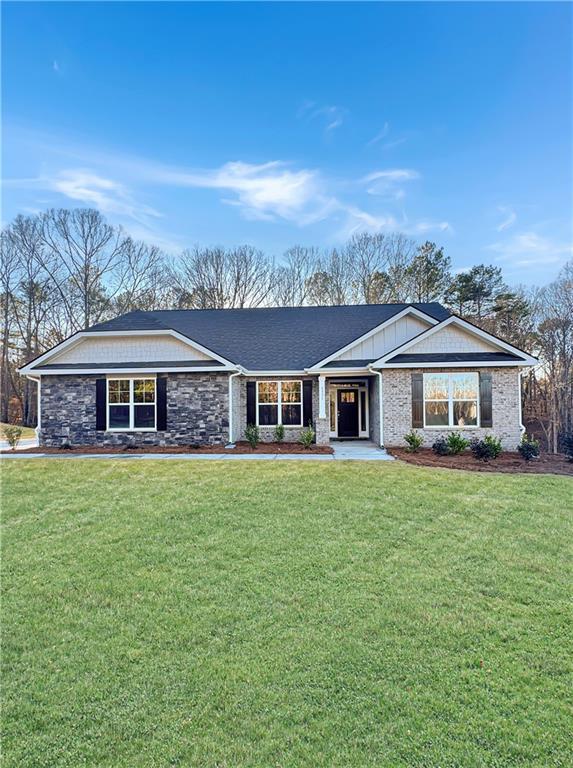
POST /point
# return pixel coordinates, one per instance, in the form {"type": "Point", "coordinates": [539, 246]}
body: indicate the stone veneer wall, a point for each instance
{"type": "Point", "coordinates": [197, 412]}
{"type": "Point", "coordinates": [292, 434]}
{"type": "Point", "coordinates": [397, 400]}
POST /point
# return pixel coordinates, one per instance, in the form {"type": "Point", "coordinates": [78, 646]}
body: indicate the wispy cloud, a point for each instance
{"type": "Point", "coordinates": [387, 183]}
{"type": "Point", "coordinates": [55, 65]}
{"type": "Point", "coordinates": [509, 217]}
{"type": "Point", "coordinates": [531, 249]}
{"type": "Point", "coordinates": [380, 135]}
{"type": "Point", "coordinates": [331, 116]}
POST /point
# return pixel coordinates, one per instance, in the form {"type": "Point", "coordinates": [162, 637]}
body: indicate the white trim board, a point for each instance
{"type": "Point", "coordinates": [406, 311]}
{"type": "Point", "coordinates": [385, 360]}
{"type": "Point", "coordinates": [71, 341]}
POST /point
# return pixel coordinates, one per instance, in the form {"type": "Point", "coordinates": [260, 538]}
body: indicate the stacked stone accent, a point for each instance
{"type": "Point", "coordinates": [397, 400]}
{"type": "Point", "coordinates": [197, 412]}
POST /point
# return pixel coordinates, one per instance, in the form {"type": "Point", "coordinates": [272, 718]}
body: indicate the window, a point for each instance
{"type": "Point", "coordinates": [451, 399]}
{"type": "Point", "coordinates": [131, 404]}
{"type": "Point", "coordinates": [279, 402]}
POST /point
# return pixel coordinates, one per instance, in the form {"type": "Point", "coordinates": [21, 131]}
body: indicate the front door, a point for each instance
{"type": "Point", "coordinates": [347, 413]}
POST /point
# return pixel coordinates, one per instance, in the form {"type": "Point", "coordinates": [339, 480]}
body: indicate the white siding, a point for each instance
{"type": "Point", "coordinates": [387, 339]}
{"type": "Point", "coordinates": [451, 339]}
{"type": "Point", "coordinates": [128, 349]}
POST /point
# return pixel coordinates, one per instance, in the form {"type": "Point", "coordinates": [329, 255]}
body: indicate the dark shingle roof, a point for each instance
{"type": "Point", "coordinates": [349, 363]}
{"type": "Point", "coordinates": [456, 357]}
{"type": "Point", "coordinates": [286, 338]}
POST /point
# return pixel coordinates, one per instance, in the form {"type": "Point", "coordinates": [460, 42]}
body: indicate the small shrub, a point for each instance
{"type": "Point", "coordinates": [494, 444]}
{"type": "Point", "coordinates": [528, 447]}
{"type": "Point", "coordinates": [279, 433]}
{"type": "Point", "coordinates": [307, 436]}
{"type": "Point", "coordinates": [414, 440]}
{"type": "Point", "coordinates": [568, 446]}
{"type": "Point", "coordinates": [12, 433]}
{"type": "Point", "coordinates": [456, 443]}
{"type": "Point", "coordinates": [252, 435]}
{"type": "Point", "coordinates": [66, 446]}
{"type": "Point", "coordinates": [440, 447]}
{"type": "Point", "coordinates": [486, 449]}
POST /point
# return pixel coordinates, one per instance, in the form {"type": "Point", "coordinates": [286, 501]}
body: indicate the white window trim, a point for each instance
{"type": "Point", "coordinates": [131, 404]}
{"type": "Point", "coordinates": [279, 403]}
{"type": "Point", "coordinates": [450, 401]}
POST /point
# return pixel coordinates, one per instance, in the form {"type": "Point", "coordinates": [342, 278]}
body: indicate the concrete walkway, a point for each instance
{"type": "Point", "coordinates": [343, 451]}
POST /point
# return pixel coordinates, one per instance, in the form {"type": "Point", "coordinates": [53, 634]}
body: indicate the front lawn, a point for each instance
{"type": "Point", "coordinates": [226, 614]}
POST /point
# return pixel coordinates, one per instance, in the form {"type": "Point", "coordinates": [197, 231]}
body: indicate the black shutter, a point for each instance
{"type": "Point", "coordinates": [417, 400]}
{"type": "Point", "coordinates": [307, 402]}
{"type": "Point", "coordinates": [161, 398]}
{"type": "Point", "coordinates": [485, 409]}
{"type": "Point", "coordinates": [251, 402]}
{"type": "Point", "coordinates": [101, 398]}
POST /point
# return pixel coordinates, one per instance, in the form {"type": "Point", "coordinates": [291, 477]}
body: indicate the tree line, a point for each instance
{"type": "Point", "coordinates": [64, 270]}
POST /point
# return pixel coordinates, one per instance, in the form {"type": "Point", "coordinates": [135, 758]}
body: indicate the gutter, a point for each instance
{"type": "Point", "coordinates": [380, 403]}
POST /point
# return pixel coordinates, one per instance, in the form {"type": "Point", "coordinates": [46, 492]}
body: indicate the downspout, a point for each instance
{"type": "Point", "coordinates": [38, 381]}
{"type": "Point", "coordinates": [380, 403]}
{"type": "Point", "coordinates": [239, 372]}
{"type": "Point", "coordinates": [519, 393]}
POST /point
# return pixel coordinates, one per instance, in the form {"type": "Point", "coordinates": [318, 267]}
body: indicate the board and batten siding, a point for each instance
{"type": "Point", "coordinates": [386, 339]}
{"type": "Point", "coordinates": [133, 349]}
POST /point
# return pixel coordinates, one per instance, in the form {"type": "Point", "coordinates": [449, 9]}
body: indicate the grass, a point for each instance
{"type": "Point", "coordinates": [26, 431]}
{"type": "Point", "coordinates": [259, 614]}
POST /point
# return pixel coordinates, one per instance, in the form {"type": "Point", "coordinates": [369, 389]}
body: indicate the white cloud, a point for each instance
{"type": "Point", "coordinates": [332, 116]}
{"type": "Point", "coordinates": [530, 249]}
{"type": "Point", "coordinates": [510, 217]}
{"type": "Point", "coordinates": [55, 66]}
{"type": "Point", "coordinates": [386, 183]}
{"type": "Point", "coordinates": [423, 227]}
{"type": "Point", "coordinates": [380, 135]}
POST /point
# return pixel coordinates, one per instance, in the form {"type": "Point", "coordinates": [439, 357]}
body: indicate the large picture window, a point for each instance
{"type": "Point", "coordinates": [131, 404]}
{"type": "Point", "coordinates": [451, 399]}
{"type": "Point", "coordinates": [279, 402]}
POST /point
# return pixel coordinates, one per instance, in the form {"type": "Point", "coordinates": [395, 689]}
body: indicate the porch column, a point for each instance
{"type": "Point", "coordinates": [322, 397]}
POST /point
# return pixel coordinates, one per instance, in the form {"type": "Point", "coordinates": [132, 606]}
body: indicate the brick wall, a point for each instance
{"type": "Point", "coordinates": [397, 399]}
{"type": "Point", "coordinates": [292, 434]}
{"type": "Point", "coordinates": [197, 412]}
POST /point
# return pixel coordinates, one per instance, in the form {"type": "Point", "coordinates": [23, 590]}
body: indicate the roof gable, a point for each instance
{"type": "Point", "coordinates": [455, 340]}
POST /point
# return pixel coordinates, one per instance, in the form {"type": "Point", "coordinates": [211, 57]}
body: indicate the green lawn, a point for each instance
{"type": "Point", "coordinates": [170, 613]}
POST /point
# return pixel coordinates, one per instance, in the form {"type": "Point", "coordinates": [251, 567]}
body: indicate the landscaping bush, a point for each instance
{"type": "Point", "coordinates": [12, 433]}
{"type": "Point", "coordinates": [568, 446]}
{"type": "Point", "coordinates": [252, 435]}
{"type": "Point", "coordinates": [414, 440]}
{"type": "Point", "coordinates": [279, 433]}
{"type": "Point", "coordinates": [456, 443]}
{"type": "Point", "coordinates": [528, 447]}
{"type": "Point", "coordinates": [486, 449]}
{"type": "Point", "coordinates": [440, 447]}
{"type": "Point", "coordinates": [307, 436]}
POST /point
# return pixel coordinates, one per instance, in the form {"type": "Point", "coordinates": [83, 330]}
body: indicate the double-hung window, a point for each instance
{"type": "Point", "coordinates": [451, 399]}
{"type": "Point", "coordinates": [279, 402]}
{"type": "Point", "coordinates": [131, 404]}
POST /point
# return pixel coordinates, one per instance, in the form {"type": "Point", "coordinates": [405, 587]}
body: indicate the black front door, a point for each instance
{"type": "Point", "coordinates": [347, 413]}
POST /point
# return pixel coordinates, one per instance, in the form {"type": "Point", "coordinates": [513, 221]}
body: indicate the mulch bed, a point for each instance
{"type": "Point", "coordinates": [241, 447]}
{"type": "Point", "coordinates": [508, 462]}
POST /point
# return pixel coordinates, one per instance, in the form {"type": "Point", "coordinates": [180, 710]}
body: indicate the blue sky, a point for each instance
{"type": "Point", "coordinates": [277, 124]}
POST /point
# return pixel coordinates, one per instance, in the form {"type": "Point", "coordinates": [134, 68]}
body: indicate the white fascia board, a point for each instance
{"type": "Point", "coordinates": [79, 335]}
{"type": "Point", "coordinates": [131, 371]}
{"type": "Point", "coordinates": [372, 331]}
{"type": "Point", "coordinates": [338, 371]}
{"type": "Point", "coordinates": [472, 329]}
{"type": "Point", "coordinates": [247, 372]}
{"type": "Point", "coordinates": [465, 364]}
